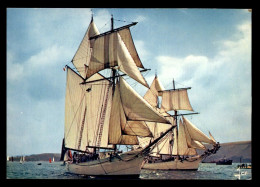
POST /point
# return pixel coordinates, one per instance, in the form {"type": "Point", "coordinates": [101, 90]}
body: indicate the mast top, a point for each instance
{"type": "Point", "coordinates": [91, 15]}
{"type": "Point", "coordinates": [112, 22]}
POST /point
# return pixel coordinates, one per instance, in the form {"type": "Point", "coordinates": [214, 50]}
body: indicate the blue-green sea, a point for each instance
{"type": "Point", "coordinates": [56, 170]}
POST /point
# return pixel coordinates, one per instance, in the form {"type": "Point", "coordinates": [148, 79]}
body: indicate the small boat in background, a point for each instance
{"type": "Point", "coordinates": [244, 166]}
{"type": "Point", "coordinates": [224, 161]}
{"type": "Point", "coordinates": [50, 160]}
{"type": "Point", "coordinates": [22, 160]}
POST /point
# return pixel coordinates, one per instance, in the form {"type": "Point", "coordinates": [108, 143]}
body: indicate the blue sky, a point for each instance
{"type": "Point", "coordinates": [206, 49]}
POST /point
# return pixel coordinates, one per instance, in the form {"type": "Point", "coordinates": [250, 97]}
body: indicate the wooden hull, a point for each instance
{"type": "Point", "coordinates": [192, 164]}
{"type": "Point", "coordinates": [128, 164]}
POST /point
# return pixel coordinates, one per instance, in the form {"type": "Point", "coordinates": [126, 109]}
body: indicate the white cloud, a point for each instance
{"type": "Point", "coordinates": [220, 86]}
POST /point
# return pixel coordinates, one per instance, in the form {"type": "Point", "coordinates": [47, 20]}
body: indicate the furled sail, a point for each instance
{"type": "Point", "coordinates": [128, 113]}
{"type": "Point", "coordinates": [175, 100]}
{"type": "Point", "coordinates": [81, 58]}
{"type": "Point", "coordinates": [151, 96]}
{"type": "Point", "coordinates": [87, 107]}
{"type": "Point", "coordinates": [195, 133]}
{"type": "Point", "coordinates": [110, 51]}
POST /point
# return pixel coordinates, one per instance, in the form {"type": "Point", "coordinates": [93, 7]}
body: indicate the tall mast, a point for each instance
{"type": "Point", "coordinates": [113, 70]}
{"type": "Point", "coordinates": [175, 111]}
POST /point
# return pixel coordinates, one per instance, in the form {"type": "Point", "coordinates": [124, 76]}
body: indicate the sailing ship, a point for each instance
{"type": "Point", "coordinates": [102, 111]}
{"type": "Point", "coordinates": [177, 151]}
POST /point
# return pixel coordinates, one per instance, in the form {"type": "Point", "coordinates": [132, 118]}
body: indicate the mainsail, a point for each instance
{"type": "Point", "coordinates": [84, 112]}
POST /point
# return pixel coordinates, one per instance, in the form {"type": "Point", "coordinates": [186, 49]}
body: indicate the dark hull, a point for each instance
{"type": "Point", "coordinates": [224, 162]}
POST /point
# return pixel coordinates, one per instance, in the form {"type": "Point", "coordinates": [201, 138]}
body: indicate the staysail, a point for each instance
{"type": "Point", "coordinates": [195, 133]}
{"type": "Point", "coordinates": [128, 113]}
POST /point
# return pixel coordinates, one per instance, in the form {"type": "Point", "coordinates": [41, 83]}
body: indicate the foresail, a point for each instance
{"type": "Point", "coordinates": [117, 122]}
{"type": "Point", "coordinates": [136, 108]}
{"type": "Point", "coordinates": [195, 133]}
{"type": "Point", "coordinates": [128, 115]}
{"type": "Point", "coordinates": [82, 56]}
{"type": "Point", "coordinates": [175, 100]}
{"type": "Point", "coordinates": [190, 142]}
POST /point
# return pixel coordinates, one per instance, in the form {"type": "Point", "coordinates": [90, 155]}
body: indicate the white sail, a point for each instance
{"type": "Point", "coordinates": [110, 51]}
{"type": "Point", "coordinates": [81, 58]}
{"type": "Point", "coordinates": [128, 106]}
{"type": "Point", "coordinates": [151, 96]}
{"type": "Point", "coordinates": [128, 41]}
{"type": "Point", "coordinates": [83, 109]}
{"type": "Point", "coordinates": [175, 100]}
{"type": "Point", "coordinates": [212, 138]}
{"type": "Point", "coordinates": [195, 133]}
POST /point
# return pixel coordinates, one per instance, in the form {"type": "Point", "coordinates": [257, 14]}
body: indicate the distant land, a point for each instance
{"type": "Point", "coordinates": [231, 150]}
{"type": "Point", "coordinates": [39, 157]}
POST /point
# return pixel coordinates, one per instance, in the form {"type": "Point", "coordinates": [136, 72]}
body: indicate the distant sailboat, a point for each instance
{"type": "Point", "coordinates": [7, 158]}
{"type": "Point", "coordinates": [53, 159]}
{"type": "Point", "coordinates": [22, 159]}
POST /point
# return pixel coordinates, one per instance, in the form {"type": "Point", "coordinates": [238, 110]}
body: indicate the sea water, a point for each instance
{"type": "Point", "coordinates": [56, 170]}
